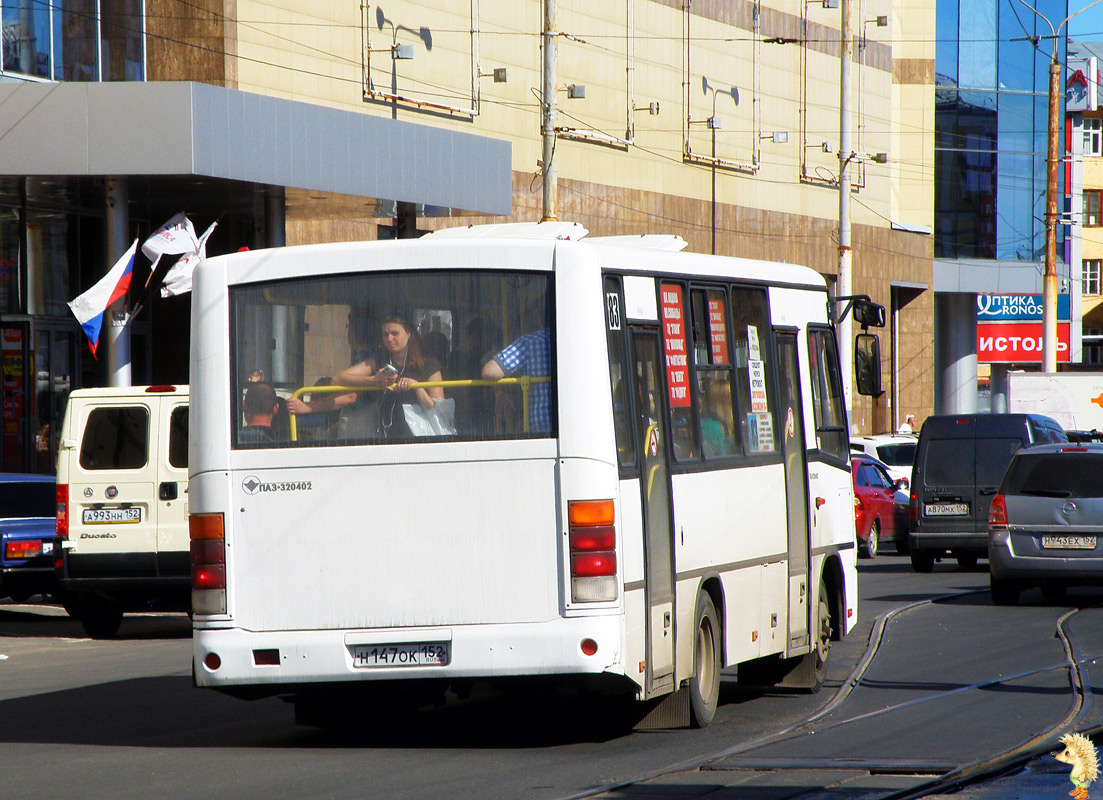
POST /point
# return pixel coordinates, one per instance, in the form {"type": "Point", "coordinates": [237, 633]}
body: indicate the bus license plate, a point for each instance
{"type": "Point", "coordinates": [1069, 542]}
{"type": "Point", "coordinates": [102, 516]}
{"type": "Point", "coordinates": [410, 654]}
{"type": "Point", "coordinates": [946, 509]}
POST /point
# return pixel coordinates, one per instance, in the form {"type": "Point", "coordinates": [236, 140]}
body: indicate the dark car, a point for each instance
{"type": "Point", "coordinates": [27, 526]}
{"type": "Point", "coordinates": [959, 463]}
{"type": "Point", "coordinates": [1045, 527]}
{"type": "Point", "coordinates": [880, 507]}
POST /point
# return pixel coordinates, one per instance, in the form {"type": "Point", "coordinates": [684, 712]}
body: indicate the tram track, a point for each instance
{"type": "Point", "coordinates": [955, 776]}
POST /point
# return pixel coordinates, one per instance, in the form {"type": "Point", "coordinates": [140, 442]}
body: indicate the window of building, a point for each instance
{"type": "Point", "coordinates": [1093, 136]}
{"type": "Point", "coordinates": [1093, 200]}
{"type": "Point", "coordinates": [1091, 275]}
{"type": "Point", "coordinates": [78, 40]}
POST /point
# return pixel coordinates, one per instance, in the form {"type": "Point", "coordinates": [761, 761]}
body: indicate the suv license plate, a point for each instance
{"type": "Point", "coordinates": [946, 509]}
{"type": "Point", "coordinates": [410, 654]}
{"type": "Point", "coordinates": [102, 516]}
{"type": "Point", "coordinates": [1069, 542]}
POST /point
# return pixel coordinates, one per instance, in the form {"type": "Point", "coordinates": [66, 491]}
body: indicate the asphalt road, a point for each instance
{"type": "Point", "coordinates": [951, 681]}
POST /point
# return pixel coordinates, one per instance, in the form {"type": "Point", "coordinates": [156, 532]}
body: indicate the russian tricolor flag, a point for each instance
{"type": "Point", "coordinates": [89, 308]}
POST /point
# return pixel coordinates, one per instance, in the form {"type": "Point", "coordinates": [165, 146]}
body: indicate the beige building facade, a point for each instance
{"type": "Point", "coordinates": [717, 120]}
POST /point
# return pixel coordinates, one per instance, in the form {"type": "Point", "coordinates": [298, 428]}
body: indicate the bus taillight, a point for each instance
{"type": "Point", "coordinates": [593, 541]}
{"type": "Point", "coordinates": [62, 525]}
{"type": "Point", "coordinates": [208, 563]}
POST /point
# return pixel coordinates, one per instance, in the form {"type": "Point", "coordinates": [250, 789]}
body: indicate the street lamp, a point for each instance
{"type": "Point", "coordinates": [1049, 284]}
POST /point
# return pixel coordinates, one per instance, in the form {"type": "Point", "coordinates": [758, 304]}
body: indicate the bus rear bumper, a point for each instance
{"type": "Point", "coordinates": [232, 657]}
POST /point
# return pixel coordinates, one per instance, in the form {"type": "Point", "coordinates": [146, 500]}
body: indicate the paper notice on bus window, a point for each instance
{"type": "Point", "coordinates": [674, 342]}
{"type": "Point", "coordinates": [752, 343]}
{"type": "Point", "coordinates": [718, 331]}
{"type": "Point", "coordinates": [760, 432]}
{"type": "Point", "coordinates": [756, 374]}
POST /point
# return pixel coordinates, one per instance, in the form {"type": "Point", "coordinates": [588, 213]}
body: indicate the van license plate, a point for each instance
{"type": "Point", "coordinates": [410, 654]}
{"type": "Point", "coordinates": [1069, 542]}
{"type": "Point", "coordinates": [946, 509]}
{"type": "Point", "coordinates": [102, 516]}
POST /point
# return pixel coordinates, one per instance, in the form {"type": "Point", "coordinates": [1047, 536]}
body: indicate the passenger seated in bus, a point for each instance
{"type": "Point", "coordinates": [402, 364]}
{"type": "Point", "coordinates": [716, 417]}
{"type": "Point", "coordinates": [530, 355]}
{"type": "Point", "coordinates": [259, 407]}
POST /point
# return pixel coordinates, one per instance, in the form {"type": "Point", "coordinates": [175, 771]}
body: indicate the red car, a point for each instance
{"type": "Point", "coordinates": [880, 507]}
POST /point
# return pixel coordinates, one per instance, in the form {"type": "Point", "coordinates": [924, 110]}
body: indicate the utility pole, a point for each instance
{"type": "Point", "coordinates": [1049, 281]}
{"type": "Point", "coordinates": [547, 127]}
{"type": "Point", "coordinates": [843, 284]}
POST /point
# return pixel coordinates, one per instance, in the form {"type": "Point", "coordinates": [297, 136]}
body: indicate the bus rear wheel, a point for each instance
{"type": "Point", "coordinates": [704, 686]}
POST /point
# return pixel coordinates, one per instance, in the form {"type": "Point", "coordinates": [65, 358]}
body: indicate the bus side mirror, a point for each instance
{"type": "Point", "coordinates": [867, 364]}
{"type": "Point", "coordinates": [869, 314]}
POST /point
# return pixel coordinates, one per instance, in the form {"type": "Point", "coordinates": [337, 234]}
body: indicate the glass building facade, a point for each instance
{"type": "Point", "coordinates": [73, 40]}
{"type": "Point", "coordinates": [52, 237]}
{"type": "Point", "coordinates": [991, 120]}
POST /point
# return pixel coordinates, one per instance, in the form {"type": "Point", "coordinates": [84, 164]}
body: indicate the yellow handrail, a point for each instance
{"type": "Point", "coordinates": [524, 381]}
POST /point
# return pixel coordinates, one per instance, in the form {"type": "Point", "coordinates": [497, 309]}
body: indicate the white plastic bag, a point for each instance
{"type": "Point", "coordinates": [440, 420]}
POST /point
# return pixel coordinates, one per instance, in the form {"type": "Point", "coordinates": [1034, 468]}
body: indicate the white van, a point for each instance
{"type": "Point", "coordinates": [122, 502]}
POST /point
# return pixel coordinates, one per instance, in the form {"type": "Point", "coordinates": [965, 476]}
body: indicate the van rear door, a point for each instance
{"type": "Point", "coordinates": [947, 496]}
{"type": "Point", "coordinates": [113, 489]}
{"type": "Point", "coordinates": [173, 556]}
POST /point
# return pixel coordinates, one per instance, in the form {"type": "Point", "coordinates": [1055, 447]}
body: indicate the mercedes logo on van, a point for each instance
{"type": "Point", "coordinates": [111, 492]}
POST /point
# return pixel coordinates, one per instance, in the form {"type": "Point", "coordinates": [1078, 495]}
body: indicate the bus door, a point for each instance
{"type": "Point", "coordinates": [796, 487]}
{"type": "Point", "coordinates": [652, 430]}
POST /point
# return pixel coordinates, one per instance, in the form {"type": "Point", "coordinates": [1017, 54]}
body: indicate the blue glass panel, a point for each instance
{"type": "Point", "coordinates": [26, 38]}
{"type": "Point", "coordinates": [977, 54]}
{"type": "Point", "coordinates": [1019, 58]}
{"type": "Point", "coordinates": [946, 25]}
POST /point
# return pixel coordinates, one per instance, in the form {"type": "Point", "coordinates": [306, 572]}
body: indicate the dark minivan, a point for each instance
{"type": "Point", "coordinates": [959, 463]}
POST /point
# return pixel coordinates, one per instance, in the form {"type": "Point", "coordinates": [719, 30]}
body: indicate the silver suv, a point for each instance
{"type": "Point", "coordinates": [1045, 527]}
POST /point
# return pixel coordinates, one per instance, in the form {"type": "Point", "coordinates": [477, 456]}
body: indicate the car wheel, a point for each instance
{"type": "Point", "coordinates": [822, 633]}
{"type": "Point", "coordinates": [869, 547]}
{"type": "Point", "coordinates": [922, 560]}
{"type": "Point", "coordinates": [1004, 593]}
{"type": "Point", "coordinates": [100, 617]}
{"type": "Point", "coordinates": [967, 561]}
{"type": "Point", "coordinates": [704, 686]}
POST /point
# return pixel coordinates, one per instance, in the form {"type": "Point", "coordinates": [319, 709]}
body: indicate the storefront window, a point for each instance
{"type": "Point", "coordinates": [9, 260]}
{"type": "Point", "coordinates": [50, 239]}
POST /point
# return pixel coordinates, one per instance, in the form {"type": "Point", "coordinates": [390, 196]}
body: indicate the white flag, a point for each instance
{"type": "Point", "coordinates": [178, 279]}
{"type": "Point", "coordinates": [175, 237]}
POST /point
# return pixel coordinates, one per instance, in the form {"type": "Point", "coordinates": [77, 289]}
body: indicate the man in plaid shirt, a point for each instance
{"type": "Point", "coordinates": [529, 355]}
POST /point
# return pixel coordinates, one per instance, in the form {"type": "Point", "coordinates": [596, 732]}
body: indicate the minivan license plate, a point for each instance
{"type": "Point", "coordinates": [1069, 542]}
{"type": "Point", "coordinates": [409, 654]}
{"type": "Point", "coordinates": [101, 516]}
{"type": "Point", "coordinates": [946, 509]}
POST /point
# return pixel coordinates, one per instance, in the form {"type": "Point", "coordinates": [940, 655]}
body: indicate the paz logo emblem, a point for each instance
{"type": "Point", "coordinates": [251, 484]}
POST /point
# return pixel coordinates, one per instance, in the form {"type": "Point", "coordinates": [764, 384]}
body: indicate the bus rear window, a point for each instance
{"type": "Point", "coordinates": [391, 357]}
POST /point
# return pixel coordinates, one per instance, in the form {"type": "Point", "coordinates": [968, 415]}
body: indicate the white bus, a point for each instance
{"type": "Point", "coordinates": [658, 489]}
